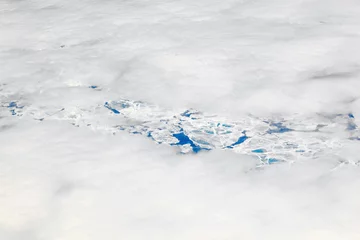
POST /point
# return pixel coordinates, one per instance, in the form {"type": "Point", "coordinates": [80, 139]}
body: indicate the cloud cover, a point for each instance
{"type": "Point", "coordinates": [82, 185]}
{"type": "Point", "coordinates": [228, 58]}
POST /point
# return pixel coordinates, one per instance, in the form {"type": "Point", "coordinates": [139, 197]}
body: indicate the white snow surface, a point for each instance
{"type": "Point", "coordinates": [94, 95]}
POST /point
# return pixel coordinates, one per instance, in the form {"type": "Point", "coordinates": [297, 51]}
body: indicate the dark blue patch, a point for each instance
{"type": "Point", "coordinates": [187, 113]}
{"type": "Point", "coordinates": [149, 135]}
{"type": "Point", "coordinates": [125, 105]}
{"type": "Point", "coordinates": [12, 105]}
{"type": "Point", "coordinates": [272, 160]}
{"type": "Point", "coordinates": [226, 125]}
{"type": "Point", "coordinates": [239, 141]}
{"type": "Point", "coordinates": [259, 150]}
{"type": "Point", "coordinates": [184, 139]}
{"type": "Point", "coordinates": [279, 128]}
{"type": "Point", "coordinates": [110, 108]}
{"type": "Point", "coordinates": [350, 115]}
{"type": "Point", "coordinates": [93, 86]}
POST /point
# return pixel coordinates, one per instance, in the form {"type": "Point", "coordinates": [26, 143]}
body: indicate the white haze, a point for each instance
{"type": "Point", "coordinates": [230, 57]}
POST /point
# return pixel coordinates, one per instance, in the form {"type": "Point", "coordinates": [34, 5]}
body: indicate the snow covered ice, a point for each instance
{"type": "Point", "coordinates": [179, 119]}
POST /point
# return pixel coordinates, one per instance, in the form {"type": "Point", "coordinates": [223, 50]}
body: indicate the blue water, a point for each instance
{"type": "Point", "coordinates": [279, 128]}
{"type": "Point", "coordinates": [110, 108]}
{"type": "Point", "coordinates": [187, 113]}
{"type": "Point", "coordinates": [258, 150]}
{"type": "Point", "coordinates": [273, 160]}
{"type": "Point", "coordinates": [12, 105]}
{"type": "Point", "coordinates": [239, 141]}
{"type": "Point", "coordinates": [184, 139]}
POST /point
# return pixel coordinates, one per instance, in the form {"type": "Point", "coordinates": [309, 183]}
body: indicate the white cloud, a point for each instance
{"type": "Point", "coordinates": [269, 58]}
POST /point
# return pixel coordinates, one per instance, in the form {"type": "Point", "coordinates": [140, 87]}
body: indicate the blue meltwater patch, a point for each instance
{"type": "Point", "coordinates": [278, 128]}
{"type": "Point", "coordinates": [184, 139]}
{"type": "Point", "coordinates": [241, 140]}
{"type": "Point", "coordinates": [107, 105]}
{"type": "Point", "coordinates": [13, 106]}
{"type": "Point", "coordinates": [260, 150]}
{"type": "Point", "coordinates": [273, 160]}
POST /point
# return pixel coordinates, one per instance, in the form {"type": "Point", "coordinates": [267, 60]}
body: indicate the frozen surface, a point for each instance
{"type": "Point", "coordinates": [179, 119]}
{"type": "Point", "coordinates": [273, 139]}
